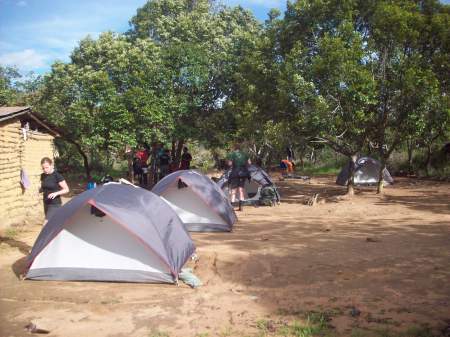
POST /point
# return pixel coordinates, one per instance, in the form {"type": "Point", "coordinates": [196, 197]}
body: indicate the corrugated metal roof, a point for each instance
{"type": "Point", "coordinates": [11, 111]}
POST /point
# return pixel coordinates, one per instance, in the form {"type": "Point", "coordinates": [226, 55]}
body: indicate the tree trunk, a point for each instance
{"type": "Point", "coordinates": [369, 150]}
{"type": "Point", "coordinates": [173, 150]}
{"type": "Point", "coordinates": [428, 160]}
{"type": "Point", "coordinates": [409, 145]}
{"type": "Point", "coordinates": [128, 154]}
{"type": "Point", "coordinates": [380, 176]}
{"type": "Point", "coordinates": [178, 152]}
{"type": "Point", "coordinates": [351, 178]}
{"type": "Point", "coordinates": [87, 167]}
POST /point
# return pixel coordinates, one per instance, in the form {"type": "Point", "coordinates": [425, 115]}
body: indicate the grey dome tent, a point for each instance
{"type": "Point", "coordinates": [252, 189]}
{"type": "Point", "coordinates": [131, 236]}
{"type": "Point", "coordinates": [366, 173]}
{"type": "Point", "coordinates": [197, 200]}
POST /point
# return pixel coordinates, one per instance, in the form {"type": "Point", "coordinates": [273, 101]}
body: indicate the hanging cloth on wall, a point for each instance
{"type": "Point", "coordinates": [24, 180]}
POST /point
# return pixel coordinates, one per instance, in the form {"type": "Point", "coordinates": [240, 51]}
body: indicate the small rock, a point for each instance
{"type": "Point", "coordinates": [372, 240]}
{"type": "Point", "coordinates": [355, 312]}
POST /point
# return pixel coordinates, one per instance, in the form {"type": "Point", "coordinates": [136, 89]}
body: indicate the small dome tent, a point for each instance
{"type": "Point", "coordinates": [127, 241]}
{"type": "Point", "coordinates": [366, 173]}
{"type": "Point", "coordinates": [199, 202]}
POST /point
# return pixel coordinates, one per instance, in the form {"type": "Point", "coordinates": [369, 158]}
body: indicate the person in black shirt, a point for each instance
{"type": "Point", "coordinates": [164, 163]}
{"type": "Point", "coordinates": [185, 159]}
{"type": "Point", "coordinates": [53, 185]}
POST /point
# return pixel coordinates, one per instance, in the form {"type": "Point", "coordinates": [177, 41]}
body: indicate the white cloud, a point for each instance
{"type": "Point", "coordinates": [21, 3]}
{"type": "Point", "coordinates": [27, 59]}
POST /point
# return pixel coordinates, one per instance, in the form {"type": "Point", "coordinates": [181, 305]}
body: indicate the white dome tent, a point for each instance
{"type": "Point", "coordinates": [366, 173]}
{"type": "Point", "coordinates": [111, 234]}
{"type": "Point", "coordinates": [198, 201]}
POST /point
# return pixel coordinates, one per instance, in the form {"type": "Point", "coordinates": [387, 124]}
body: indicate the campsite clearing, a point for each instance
{"type": "Point", "coordinates": [364, 266]}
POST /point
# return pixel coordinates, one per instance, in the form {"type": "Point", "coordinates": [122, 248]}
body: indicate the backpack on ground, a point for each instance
{"type": "Point", "coordinates": [268, 196]}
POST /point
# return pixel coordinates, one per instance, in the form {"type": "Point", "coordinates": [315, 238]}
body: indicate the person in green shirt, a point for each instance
{"type": "Point", "coordinates": [238, 161]}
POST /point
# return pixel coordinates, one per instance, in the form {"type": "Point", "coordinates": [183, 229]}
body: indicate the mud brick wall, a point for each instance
{"type": "Point", "coordinates": [17, 205]}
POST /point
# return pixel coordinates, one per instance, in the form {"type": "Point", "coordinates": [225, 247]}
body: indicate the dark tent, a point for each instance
{"type": "Point", "coordinates": [114, 232]}
{"type": "Point", "coordinates": [366, 173]}
{"type": "Point", "coordinates": [258, 179]}
{"type": "Point", "coordinates": [199, 202]}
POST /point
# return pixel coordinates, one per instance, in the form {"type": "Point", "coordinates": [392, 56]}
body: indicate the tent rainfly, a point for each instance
{"type": "Point", "coordinates": [114, 232]}
{"type": "Point", "coordinates": [366, 173]}
{"type": "Point", "coordinates": [198, 201]}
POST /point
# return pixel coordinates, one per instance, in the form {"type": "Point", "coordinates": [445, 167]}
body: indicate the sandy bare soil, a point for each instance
{"type": "Point", "coordinates": [370, 265]}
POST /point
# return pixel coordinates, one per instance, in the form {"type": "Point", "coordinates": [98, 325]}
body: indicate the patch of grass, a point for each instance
{"type": "Point", "coordinates": [202, 334]}
{"type": "Point", "coordinates": [228, 331]}
{"type": "Point", "coordinates": [318, 170]}
{"type": "Point", "coordinates": [315, 325]}
{"type": "Point", "coordinates": [284, 331]}
{"type": "Point", "coordinates": [157, 333]}
{"type": "Point", "coordinates": [111, 301]}
{"type": "Point", "coordinates": [11, 233]}
{"type": "Point", "coordinates": [418, 331]}
{"type": "Point", "coordinates": [300, 330]}
{"type": "Point", "coordinates": [290, 312]}
{"type": "Point", "coordinates": [384, 332]}
{"type": "Point", "coordinates": [415, 331]}
{"type": "Point", "coordinates": [360, 333]}
{"type": "Point", "coordinates": [319, 319]}
{"type": "Point", "coordinates": [263, 327]}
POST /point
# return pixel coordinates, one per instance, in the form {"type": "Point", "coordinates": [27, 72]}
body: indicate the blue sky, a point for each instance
{"type": "Point", "coordinates": [35, 33]}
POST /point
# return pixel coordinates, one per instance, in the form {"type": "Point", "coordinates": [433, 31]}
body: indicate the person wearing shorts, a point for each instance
{"type": "Point", "coordinates": [239, 162]}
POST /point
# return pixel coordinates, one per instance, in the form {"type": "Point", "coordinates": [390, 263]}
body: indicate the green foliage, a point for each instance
{"type": "Point", "coordinates": [348, 74]}
{"type": "Point", "coordinates": [8, 92]}
{"type": "Point", "coordinates": [16, 89]}
{"type": "Point", "coordinates": [201, 48]}
{"type": "Point", "coordinates": [202, 158]}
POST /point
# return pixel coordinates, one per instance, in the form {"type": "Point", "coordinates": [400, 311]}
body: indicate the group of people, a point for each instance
{"type": "Point", "coordinates": [157, 162]}
{"type": "Point", "coordinates": [239, 161]}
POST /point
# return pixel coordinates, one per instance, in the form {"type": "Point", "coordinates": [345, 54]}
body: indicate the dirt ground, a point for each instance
{"type": "Point", "coordinates": [369, 265]}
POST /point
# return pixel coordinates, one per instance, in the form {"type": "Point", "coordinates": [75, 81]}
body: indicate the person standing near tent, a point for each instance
{"type": "Point", "coordinates": [164, 163]}
{"type": "Point", "coordinates": [53, 185]}
{"type": "Point", "coordinates": [186, 159]}
{"type": "Point", "coordinates": [142, 156]}
{"type": "Point", "coordinates": [287, 167]}
{"type": "Point", "coordinates": [238, 161]}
